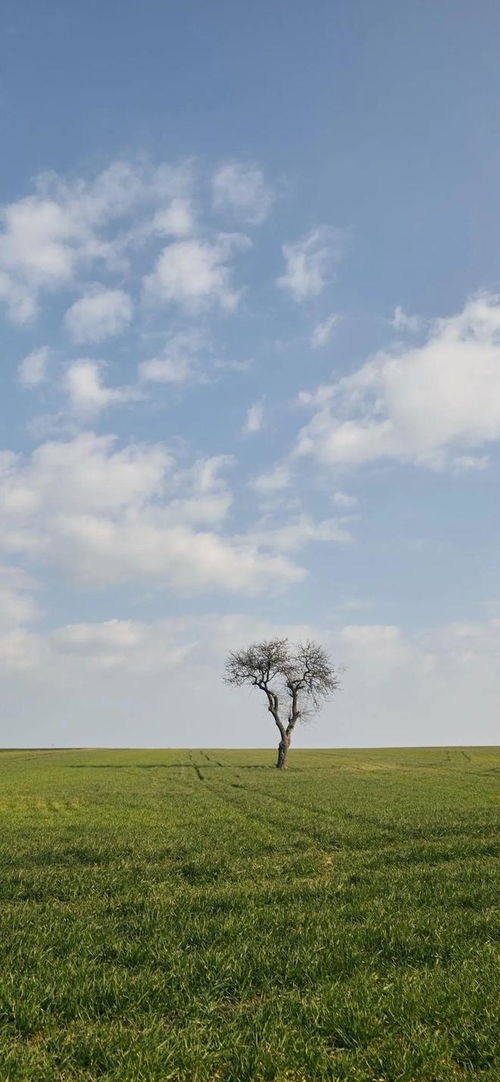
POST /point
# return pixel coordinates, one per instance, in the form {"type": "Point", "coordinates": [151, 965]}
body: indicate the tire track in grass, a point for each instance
{"type": "Point", "coordinates": [387, 842]}
{"type": "Point", "coordinates": [391, 849]}
{"type": "Point", "coordinates": [316, 837]}
{"type": "Point", "coordinates": [299, 833]}
{"type": "Point", "coordinates": [216, 761]}
{"type": "Point", "coordinates": [235, 805]}
{"type": "Point", "coordinates": [309, 808]}
{"type": "Point", "coordinates": [296, 834]}
{"type": "Point", "coordinates": [386, 839]}
{"type": "Point", "coordinates": [196, 768]}
{"type": "Point", "coordinates": [208, 759]}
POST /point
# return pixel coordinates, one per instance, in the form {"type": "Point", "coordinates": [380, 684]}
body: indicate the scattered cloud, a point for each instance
{"type": "Point", "coordinates": [87, 394]}
{"type": "Point", "coordinates": [254, 418]}
{"type": "Point", "coordinates": [17, 603]}
{"type": "Point", "coordinates": [401, 321]}
{"type": "Point", "coordinates": [343, 499]}
{"type": "Point", "coordinates": [99, 315]}
{"type": "Point", "coordinates": [354, 604]}
{"type": "Point", "coordinates": [112, 644]}
{"type": "Point", "coordinates": [66, 227]}
{"type": "Point", "coordinates": [241, 191]}
{"type": "Point", "coordinates": [21, 650]}
{"type": "Point", "coordinates": [309, 263]}
{"type": "Point", "coordinates": [466, 463]}
{"type": "Point", "coordinates": [205, 499]}
{"type": "Point", "coordinates": [40, 244]}
{"type": "Point", "coordinates": [427, 405]}
{"type": "Point", "coordinates": [32, 370]}
{"type": "Point", "coordinates": [386, 646]}
{"type": "Point", "coordinates": [178, 361]}
{"type": "Point", "coordinates": [106, 516]}
{"type": "Point", "coordinates": [452, 671]}
{"type": "Point", "coordinates": [293, 535]}
{"type": "Point", "coordinates": [322, 332]}
{"type": "Point", "coordinates": [19, 299]}
{"type": "Point", "coordinates": [195, 274]}
{"type": "Point", "coordinates": [233, 365]}
{"type": "Point", "coordinates": [274, 480]}
{"type": "Point", "coordinates": [175, 220]}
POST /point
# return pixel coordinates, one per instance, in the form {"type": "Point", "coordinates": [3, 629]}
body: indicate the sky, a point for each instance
{"type": "Point", "coordinates": [250, 378]}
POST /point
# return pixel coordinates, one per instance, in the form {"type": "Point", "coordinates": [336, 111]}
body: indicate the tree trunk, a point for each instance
{"type": "Point", "coordinates": [283, 746]}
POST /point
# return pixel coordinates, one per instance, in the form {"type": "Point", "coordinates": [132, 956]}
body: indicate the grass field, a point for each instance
{"type": "Point", "coordinates": [197, 915]}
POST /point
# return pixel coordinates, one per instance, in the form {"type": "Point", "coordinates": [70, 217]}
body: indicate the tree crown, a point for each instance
{"type": "Point", "coordinates": [303, 673]}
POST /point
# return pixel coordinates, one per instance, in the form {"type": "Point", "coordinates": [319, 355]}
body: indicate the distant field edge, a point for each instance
{"type": "Point", "coordinates": [264, 748]}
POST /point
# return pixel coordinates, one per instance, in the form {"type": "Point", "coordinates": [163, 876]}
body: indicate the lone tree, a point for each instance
{"type": "Point", "coordinates": [295, 680]}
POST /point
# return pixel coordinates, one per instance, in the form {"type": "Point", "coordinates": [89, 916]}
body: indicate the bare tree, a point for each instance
{"type": "Point", "coordinates": [295, 680]}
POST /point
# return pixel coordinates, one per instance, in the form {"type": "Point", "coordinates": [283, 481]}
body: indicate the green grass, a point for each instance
{"type": "Point", "coordinates": [200, 916]}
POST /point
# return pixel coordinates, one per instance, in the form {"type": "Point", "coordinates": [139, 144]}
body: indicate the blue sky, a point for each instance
{"type": "Point", "coordinates": [250, 305]}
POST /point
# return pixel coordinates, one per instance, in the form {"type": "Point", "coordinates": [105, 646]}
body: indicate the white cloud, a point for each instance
{"type": "Point", "coordinates": [466, 463]}
{"type": "Point", "coordinates": [32, 370]}
{"type": "Point", "coordinates": [63, 228]}
{"type": "Point", "coordinates": [15, 607]}
{"type": "Point", "coordinates": [274, 480]}
{"type": "Point", "coordinates": [99, 315]}
{"type": "Point", "coordinates": [39, 245]}
{"type": "Point", "coordinates": [353, 604]}
{"type": "Point", "coordinates": [140, 647]}
{"type": "Point", "coordinates": [467, 641]}
{"type": "Point", "coordinates": [401, 321]}
{"type": "Point", "coordinates": [205, 498]}
{"type": "Point", "coordinates": [106, 516]}
{"type": "Point", "coordinates": [87, 394]}
{"type": "Point", "coordinates": [254, 418]}
{"type": "Point", "coordinates": [322, 332]}
{"type": "Point", "coordinates": [83, 638]}
{"type": "Point", "coordinates": [19, 299]}
{"type": "Point", "coordinates": [232, 365]}
{"type": "Point", "coordinates": [82, 651]}
{"type": "Point", "coordinates": [195, 274]}
{"type": "Point", "coordinates": [175, 220]}
{"type": "Point", "coordinates": [343, 499]}
{"type": "Point", "coordinates": [20, 650]}
{"type": "Point", "coordinates": [308, 263]}
{"type": "Point", "coordinates": [241, 191]}
{"type": "Point", "coordinates": [80, 475]}
{"type": "Point", "coordinates": [425, 405]}
{"type": "Point", "coordinates": [177, 361]}
{"type": "Point", "coordinates": [293, 535]}
{"type": "Point", "coordinates": [17, 604]}
{"type": "Point", "coordinates": [384, 648]}
{"type": "Point", "coordinates": [42, 241]}
{"type": "Point", "coordinates": [423, 688]}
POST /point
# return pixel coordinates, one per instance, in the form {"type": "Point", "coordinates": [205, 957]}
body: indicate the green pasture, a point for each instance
{"type": "Point", "coordinates": [201, 917]}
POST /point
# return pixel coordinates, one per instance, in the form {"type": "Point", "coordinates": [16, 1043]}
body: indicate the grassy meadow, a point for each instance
{"type": "Point", "coordinates": [199, 916]}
